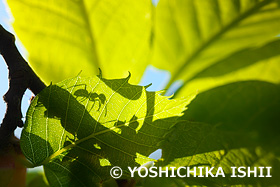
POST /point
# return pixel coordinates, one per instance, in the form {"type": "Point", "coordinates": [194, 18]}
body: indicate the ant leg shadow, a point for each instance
{"type": "Point", "coordinates": [93, 103]}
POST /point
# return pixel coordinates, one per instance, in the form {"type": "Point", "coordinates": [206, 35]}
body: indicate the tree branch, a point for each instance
{"type": "Point", "coordinates": [21, 77]}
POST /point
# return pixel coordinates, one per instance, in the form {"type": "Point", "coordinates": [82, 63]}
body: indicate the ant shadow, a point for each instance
{"type": "Point", "coordinates": [84, 94]}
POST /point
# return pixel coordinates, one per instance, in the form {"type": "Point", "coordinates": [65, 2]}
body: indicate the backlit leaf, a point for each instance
{"type": "Point", "coordinates": [79, 128]}
{"type": "Point", "coordinates": [65, 37]}
{"type": "Point", "coordinates": [192, 36]}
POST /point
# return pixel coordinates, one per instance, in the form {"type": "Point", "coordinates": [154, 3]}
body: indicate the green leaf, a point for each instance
{"type": "Point", "coordinates": [242, 157]}
{"type": "Point", "coordinates": [262, 64]}
{"type": "Point", "coordinates": [65, 37]}
{"type": "Point", "coordinates": [240, 127]}
{"type": "Point", "coordinates": [251, 107]}
{"type": "Point", "coordinates": [79, 128]}
{"type": "Point", "coordinates": [200, 145]}
{"type": "Point", "coordinates": [209, 44]}
{"type": "Point", "coordinates": [192, 36]}
{"type": "Point", "coordinates": [36, 179]}
{"type": "Point", "coordinates": [192, 144]}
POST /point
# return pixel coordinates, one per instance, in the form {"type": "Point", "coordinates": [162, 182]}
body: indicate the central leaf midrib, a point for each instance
{"type": "Point", "coordinates": [181, 69]}
{"type": "Point", "coordinates": [92, 40]}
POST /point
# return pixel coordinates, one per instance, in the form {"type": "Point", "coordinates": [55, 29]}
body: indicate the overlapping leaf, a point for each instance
{"type": "Point", "coordinates": [261, 64]}
{"type": "Point", "coordinates": [193, 36]}
{"type": "Point", "coordinates": [242, 130]}
{"type": "Point", "coordinates": [112, 35]}
{"type": "Point", "coordinates": [226, 159]}
{"type": "Point", "coordinates": [252, 105]}
{"type": "Point", "coordinates": [195, 145]}
{"type": "Point", "coordinates": [82, 127]}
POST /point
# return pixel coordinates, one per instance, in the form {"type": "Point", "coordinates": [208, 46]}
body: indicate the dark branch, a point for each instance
{"type": "Point", "coordinates": [21, 77]}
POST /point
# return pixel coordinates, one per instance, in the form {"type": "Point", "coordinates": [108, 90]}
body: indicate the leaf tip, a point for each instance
{"type": "Point", "coordinates": [129, 75]}
{"type": "Point", "coordinates": [147, 86]}
{"type": "Point", "coordinates": [100, 73]}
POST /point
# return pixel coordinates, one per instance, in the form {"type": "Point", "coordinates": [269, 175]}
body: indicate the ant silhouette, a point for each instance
{"type": "Point", "coordinates": [100, 98]}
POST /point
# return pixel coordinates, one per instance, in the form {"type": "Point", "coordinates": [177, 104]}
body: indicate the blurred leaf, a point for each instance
{"type": "Point", "coordinates": [65, 37]}
{"type": "Point", "coordinates": [243, 157]}
{"type": "Point", "coordinates": [240, 127]}
{"type": "Point", "coordinates": [201, 145]}
{"type": "Point", "coordinates": [193, 144]}
{"type": "Point", "coordinates": [36, 179]}
{"type": "Point", "coordinates": [73, 127]}
{"type": "Point", "coordinates": [261, 64]}
{"type": "Point", "coordinates": [193, 36]}
{"type": "Point", "coordinates": [206, 52]}
{"type": "Point", "coordinates": [251, 107]}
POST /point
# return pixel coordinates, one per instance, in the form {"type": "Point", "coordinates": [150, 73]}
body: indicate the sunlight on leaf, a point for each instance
{"type": "Point", "coordinates": [192, 36]}
{"type": "Point", "coordinates": [83, 125]}
{"type": "Point", "coordinates": [65, 37]}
